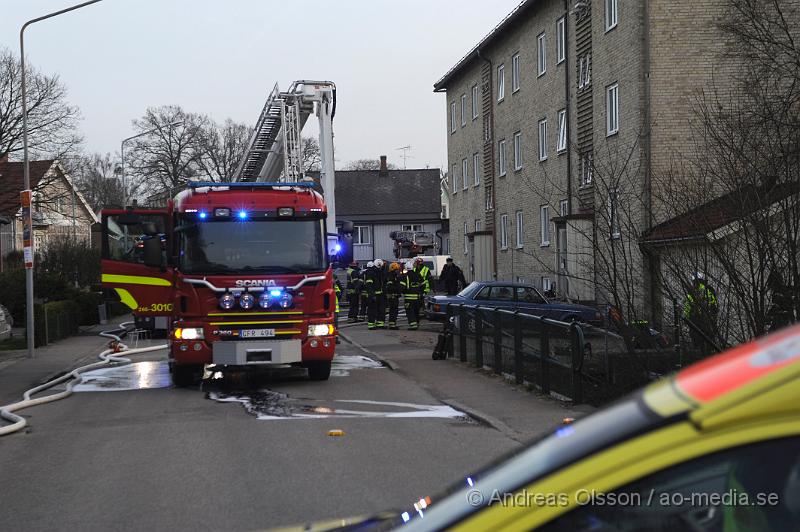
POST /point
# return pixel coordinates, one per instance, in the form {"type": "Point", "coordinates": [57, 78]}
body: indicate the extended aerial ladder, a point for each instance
{"type": "Point", "coordinates": [275, 151]}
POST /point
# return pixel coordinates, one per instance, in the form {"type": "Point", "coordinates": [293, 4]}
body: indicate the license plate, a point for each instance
{"type": "Point", "coordinates": [256, 333]}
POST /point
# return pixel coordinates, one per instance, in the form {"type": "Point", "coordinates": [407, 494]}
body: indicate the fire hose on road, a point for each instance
{"type": "Point", "coordinates": [109, 356]}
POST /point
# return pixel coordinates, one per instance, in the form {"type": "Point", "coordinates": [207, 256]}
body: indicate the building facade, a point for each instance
{"type": "Point", "coordinates": [557, 122]}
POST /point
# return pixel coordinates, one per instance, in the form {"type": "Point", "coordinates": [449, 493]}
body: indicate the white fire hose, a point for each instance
{"type": "Point", "coordinates": [74, 377]}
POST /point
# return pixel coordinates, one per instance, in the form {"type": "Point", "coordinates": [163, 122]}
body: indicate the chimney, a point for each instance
{"type": "Point", "coordinates": [384, 171]}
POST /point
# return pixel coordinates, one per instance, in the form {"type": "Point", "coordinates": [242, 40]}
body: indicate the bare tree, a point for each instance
{"type": "Point", "coordinates": [52, 122]}
{"type": "Point", "coordinates": [312, 159]}
{"type": "Point", "coordinates": [221, 147]}
{"type": "Point", "coordinates": [97, 179]}
{"type": "Point", "coordinates": [165, 159]}
{"type": "Point", "coordinates": [367, 164]}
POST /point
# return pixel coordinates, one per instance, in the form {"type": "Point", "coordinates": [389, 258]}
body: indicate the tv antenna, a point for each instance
{"type": "Point", "coordinates": [405, 155]}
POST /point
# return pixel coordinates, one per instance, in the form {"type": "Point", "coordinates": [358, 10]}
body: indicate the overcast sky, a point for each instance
{"type": "Point", "coordinates": [222, 57]}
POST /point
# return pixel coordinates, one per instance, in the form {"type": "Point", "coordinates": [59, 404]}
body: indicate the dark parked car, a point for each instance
{"type": "Point", "coordinates": [511, 296]}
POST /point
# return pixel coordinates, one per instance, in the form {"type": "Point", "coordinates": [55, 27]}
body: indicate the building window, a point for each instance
{"type": "Point", "coordinates": [463, 110]}
{"type": "Point", "coordinates": [489, 205]}
{"type": "Point", "coordinates": [562, 131]}
{"type": "Point", "coordinates": [504, 231]}
{"type": "Point", "coordinates": [520, 226]}
{"type": "Point", "coordinates": [465, 173]}
{"type": "Point", "coordinates": [541, 46]}
{"type": "Point", "coordinates": [561, 40]}
{"type": "Point", "coordinates": [585, 71]}
{"type": "Point", "coordinates": [587, 171]}
{"type": "Point", "coordinates": [613, 215]}
{"type": "Point", "coordinates": [612, 109]}
{"type": "Point", "coordinates": [412, 227]}
{"type": "Point", "coordinates": [455, 179]}
{"type": "Point", "coordinates": [564, 207]}
{"type": "Point", "coordinates": [501, 83]}
{"type": "Point", "coordinates": [611, 14]}
{"type": "Point", "coordinates": [517, 151]}
{"type": "Point", "coordinates": [515, 73]}
{"type": "Point", "coordinates": [466, 239]}
{"type": "Point", "coordinates": [452, 117]}
{"type": "Point", "coordinates": [547, 284]}
{"type": "Point", "coordinates": [475, 101]}
{"type": "Point", "coordinates": [476, 169]}
{"type": "Point", "coordinates": [477, 225]}
{"type": "Point", "coordinates": [543, 139]}
{"type": "Point", "coordinates": [501, 157]}
{"type": "Point", "coordinates": [361, 235]}
{"type": "Point", "coordinates": [544, 219]}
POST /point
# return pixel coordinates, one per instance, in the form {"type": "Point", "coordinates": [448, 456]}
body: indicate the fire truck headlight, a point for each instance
{"type": "Point", "coordinates": [227, 301]}
{"type": "Point", "coordinates": [264, 300]}
{"type": "Point", "coordinates": [193, 333]}
{"type": "Point", "coordinates": [247, 301]}
{"type": "Point", "coordinates": [320, 329]}
{"type": "Point", "coordinates": [285, 301]}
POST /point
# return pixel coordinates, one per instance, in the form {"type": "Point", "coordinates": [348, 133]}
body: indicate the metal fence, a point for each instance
{"type": "Point", "coordinates": [541, 352]}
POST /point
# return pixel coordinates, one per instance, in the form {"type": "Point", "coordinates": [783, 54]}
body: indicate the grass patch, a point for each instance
{"type": "Point", "coordinates": [13, 343]}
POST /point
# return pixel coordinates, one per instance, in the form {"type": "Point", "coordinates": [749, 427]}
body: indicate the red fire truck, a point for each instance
{"type": "Point", "coordinates": [242, 270]}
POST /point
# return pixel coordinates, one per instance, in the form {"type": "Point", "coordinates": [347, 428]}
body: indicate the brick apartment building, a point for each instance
{"type": "Point", "coordinates": [556, 121]}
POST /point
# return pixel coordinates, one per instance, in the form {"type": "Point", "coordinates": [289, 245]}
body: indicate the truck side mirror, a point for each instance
{"type": "Point", "coordinates": [152, 252]}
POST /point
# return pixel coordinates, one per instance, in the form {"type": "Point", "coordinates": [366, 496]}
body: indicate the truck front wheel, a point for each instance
{"type": "Point", "coordinates": [318, 370]}
{"type": "Point", "coordinates": [184, 375]}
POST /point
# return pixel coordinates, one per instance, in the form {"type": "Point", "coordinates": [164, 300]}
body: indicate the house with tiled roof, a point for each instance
{"type": "Point", "coordinates": [59, 209]}
{"type": "Point", "coordinates": [385, 200]}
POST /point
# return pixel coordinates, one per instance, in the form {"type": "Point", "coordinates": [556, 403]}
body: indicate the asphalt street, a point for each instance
{"type": "Point", "coordinates": [130, 452]}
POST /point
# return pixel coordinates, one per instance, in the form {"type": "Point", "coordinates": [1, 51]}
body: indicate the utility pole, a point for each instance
{"type": "Point", "coordinates": [405, 155]}
{"type": "Point", "coordinates": [26, 173]}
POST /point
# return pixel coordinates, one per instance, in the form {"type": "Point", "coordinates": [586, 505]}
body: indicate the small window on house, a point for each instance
{"type": "Point", "coordinates": [612, 109]}
{"type": "Point", "coordinates": [463, 110]}
{"type": "Point", "coordinates": [361, 235]}
{"type": "Point", "coordinates": [520, 230]}
{"type": "Point", "coordinates": [517, 151]}
{"type": "Point", "coordinates": [475, 101]}
{"type": "Point", "coordinates": [562, 131]}
{"type": "Point", "coordinates": [613, 214]}
{"type": "Point", "coordinates": [501, 157]}
{"type": "Point", "coordinates": [466, 238]}
{"type": "Point", "coordinates": [542, 139]}
{"type": "Point", "coordinates": [501, 83]}
{"type": "Point", "coordinates": [515, 73]}
{"type": "Point", "coordinates": [586, 169]}
{"type": "Point", "coordinates": [541, 47]}
{"type": "Point", "coordinates": [412, 227]}
{"type": "Point", "coordinates": [455, 178]}
{"type": "Point", "coordinates": [452, 117]}
{"type": "Point", "coordinates": [611, 14]}
{"type": "Point", "coordinates": [477, 225]}
{"type": "Point", "coordinates": [476, 169]}
{"type": "Point", "coordinates": [504, 231]}
{"type": "Point", "coordinates": [563, 208]}
{"type": "Point", "coordinates": [547, 284]}
{"type": "Point", "coordinates": [585, 71]}
{"type": "Point", "coordinates": [465, 173]}
{"type": "Point", "coordinates": [561, 40]}
{"type": "Point", "coordinates": [544, 220]}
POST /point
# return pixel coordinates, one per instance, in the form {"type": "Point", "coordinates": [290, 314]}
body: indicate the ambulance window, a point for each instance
{"type": "Point", "coordinates": [753, 487]}
{"type": "Point", "coordinates": [124, 236]}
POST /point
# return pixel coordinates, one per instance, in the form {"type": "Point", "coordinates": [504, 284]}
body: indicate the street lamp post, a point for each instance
{"type": "Point", "coordinates": [26, 172]}
{"type": "Point", "coordinates": [122, 156]}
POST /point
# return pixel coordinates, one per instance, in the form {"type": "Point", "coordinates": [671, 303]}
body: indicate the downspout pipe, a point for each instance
{"type": "Point", "coordinates": [491, 150]}
{"type": "Point", "coordinates": [567, 106]}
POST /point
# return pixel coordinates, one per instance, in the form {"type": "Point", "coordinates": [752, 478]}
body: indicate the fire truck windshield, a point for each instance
{"type": "Point", "coordinates": [263, 246]}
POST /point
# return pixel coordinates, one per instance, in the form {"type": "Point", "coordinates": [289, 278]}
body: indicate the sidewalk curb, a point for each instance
{"type": "Point", "coordinates": [389, 363]}
{"type": "Point", "coordinates": [486, 419]}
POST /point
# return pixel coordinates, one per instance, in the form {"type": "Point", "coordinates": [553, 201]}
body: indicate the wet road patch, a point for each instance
{"type": "Point", "coordinates": [271, 405]}
{"type": "Point", "coordinates": [136, 376]}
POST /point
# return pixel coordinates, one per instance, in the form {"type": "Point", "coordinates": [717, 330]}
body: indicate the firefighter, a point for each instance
{"type": "Point", "coordinates": [451, 276]}
{"type": "Point", "coordinates": [393, 293]}
{"type": "Point", "coordinates": [353, 289]}
{"type": "Point", "coordinates": [380, 314]}
{"type": "Point", "coordinates": [364, 298]}
{"type": "Point", "coordinates": [701, 309]}
{"type": "Point", "coordinates": [337, 288]}
{"type": "Point", "coordinates": [373, 283]}
{"type": "Point", "coordinates": [426, 281]}
{"type": "Point", "coordinates": [411, 284]}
